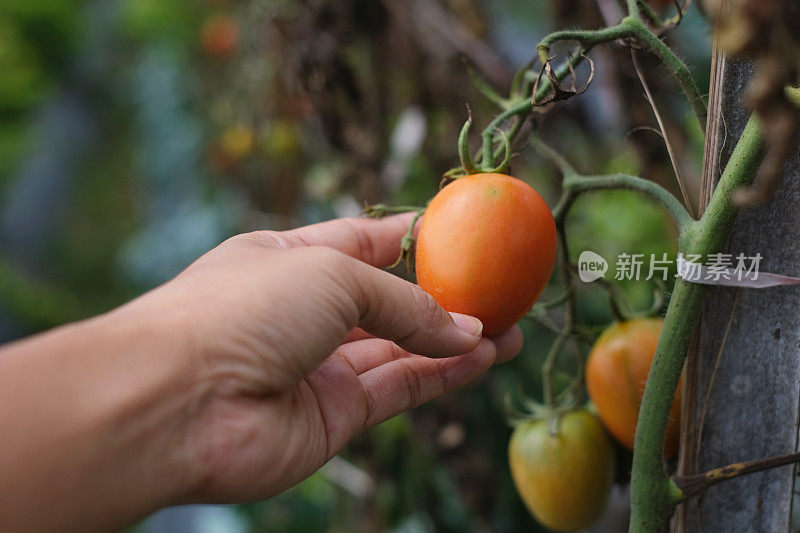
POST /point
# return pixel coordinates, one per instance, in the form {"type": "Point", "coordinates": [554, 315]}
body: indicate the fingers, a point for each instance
{"type": "Point", "coordinates": [365, 354]}
{"type": "Point", "coordinates": [403, 384]}
{"type": "Point", "coordinates": [356, 334]}
{"type": "Point", "coordinates": [394, 309]}
{"type": "Point", "coordinates": [373, 241]}
{"type": "Point", "coordinates": [508, 343]}
{"type": "Point", "coordinates": [368, 381]}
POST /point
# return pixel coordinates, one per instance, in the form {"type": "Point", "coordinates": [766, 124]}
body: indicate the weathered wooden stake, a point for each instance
{"type": "Point", "coordinates": [744, 404]}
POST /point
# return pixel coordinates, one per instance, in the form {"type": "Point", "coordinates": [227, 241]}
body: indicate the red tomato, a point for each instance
{"type": "Point", "coordinates": [220, 36]}
{"type": "Point", "coordinates": [616, 373]}
{"type": "Point", "coordinates": [487, 247]}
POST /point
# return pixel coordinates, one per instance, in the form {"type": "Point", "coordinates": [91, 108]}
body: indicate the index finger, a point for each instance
{"type": "Point", "coordinates": [373, 241]}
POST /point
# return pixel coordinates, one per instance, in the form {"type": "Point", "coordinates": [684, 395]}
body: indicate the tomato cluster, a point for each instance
{"type": "Point", "coordinates": [487, 247]}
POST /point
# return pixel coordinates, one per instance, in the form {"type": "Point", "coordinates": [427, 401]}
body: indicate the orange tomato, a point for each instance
{"type": "Point", "coordinates": [487, 247]}
{"type": "Point", "coordinates": [564, 479]}
{"type": "Point", "coordinates": [220, 36]}
{"type": "Point", "coordinates": [616, 373]}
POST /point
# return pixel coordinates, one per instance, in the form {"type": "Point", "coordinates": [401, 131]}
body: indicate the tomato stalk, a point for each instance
{"type": "Point", "coordinates": [676, 66]}
{"type": "Point", "coordinates": [520, 102]}
{"type": "Point", "coordinates": [632, 27]}
{"type": "Point", "coordinates": [382, 210]}
{"type": "Point", "coordinates": [649, 14]}
{"type": "Point", "coordinates": [653, 493]}
{"type": "Point", "coordinates": [567, 331]}
{"type": "Point", "coordinates": [547, 368]}
{"type": "Point", "coordinates": [522, 106]}
{"type": "Point", "coordinates": [576, 184]}
{"type": "Point", "coordinates": [586, 38]}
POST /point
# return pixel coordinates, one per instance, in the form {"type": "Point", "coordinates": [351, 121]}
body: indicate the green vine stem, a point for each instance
{"type": "Point", "coordinates": [632, 27]}
{"type": "Point", "coordinates": [653, 493]}
{"type": "Point", "coordinates": [382, 210]}
{"type": "Point", "coordinates": [520, 104]}
{"type": "Point", "coordinates": [577, 184]}
{"type": "Point", "coordinates": [486, 90]}
{"type": "Point", "coordinates": [547, 368]}
{"type": "Point", "coordinates": [574, 184]}
{"type": "Point", "coordinates": [586, 38]}
{"type": "Point", "coordinates": [676, 67]}
{"type": "Point", "coordinates": [522, 107]}
{"type": "Point", "coordinates": [649, 14]}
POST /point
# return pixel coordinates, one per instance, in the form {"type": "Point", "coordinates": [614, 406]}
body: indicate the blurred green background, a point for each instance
{"type": "Point", "coordinates": [137, 134]}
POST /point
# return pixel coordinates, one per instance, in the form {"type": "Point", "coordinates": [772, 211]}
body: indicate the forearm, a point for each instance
{"type": "Point", "coordinates": [91, 417]}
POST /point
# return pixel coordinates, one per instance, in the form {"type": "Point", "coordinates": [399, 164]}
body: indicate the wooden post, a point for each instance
{"type": "Point", "coordinates": [741, 401]}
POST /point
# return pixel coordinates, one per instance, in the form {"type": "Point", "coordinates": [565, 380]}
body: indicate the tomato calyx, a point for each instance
{"type": "Point", "coordinates": [468, 165]}
{"type": "Point", "coordinates": [527, 410]}
{"type": "Point", "coordinates": [408, 240]}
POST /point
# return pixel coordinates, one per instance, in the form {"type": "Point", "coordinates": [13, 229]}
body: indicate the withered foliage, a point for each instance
{"type": "Point", "coordinates": [769, 32]}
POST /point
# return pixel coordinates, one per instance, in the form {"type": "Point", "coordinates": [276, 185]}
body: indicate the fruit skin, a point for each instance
{"type": "Point", "coordinates": [616, 373]}
{"type": "Point", "coordinates": [487, 247]}
{"type": "Point", "coordinates": [565, 480]}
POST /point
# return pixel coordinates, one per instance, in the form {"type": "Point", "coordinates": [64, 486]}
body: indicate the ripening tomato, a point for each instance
{"type": "Point", "coordinates": [616, 373]}
{"type": "Point", "coordinates": [487, 247]}
{"type": "Point", "coordinates": [564, 479]}
{"type": "Point", "coordinates": [220, 36]}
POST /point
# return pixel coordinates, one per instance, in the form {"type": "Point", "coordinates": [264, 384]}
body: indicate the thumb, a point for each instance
{"type": "Point", "coordinates": [394, 309]}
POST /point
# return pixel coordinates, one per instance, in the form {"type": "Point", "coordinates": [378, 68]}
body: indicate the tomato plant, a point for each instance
{"type": "Point", "coordinates": [471, 261]}
{"type": "Point", "coordinates": [473, 255]}
{"type": "Point", "coordinates": [616, 373]}
{"type": "Point", "coordinates": [564, 477]}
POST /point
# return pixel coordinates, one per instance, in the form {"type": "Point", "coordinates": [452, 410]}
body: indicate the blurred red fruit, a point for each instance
{"type": "Point", "coordinates": [220, 36]}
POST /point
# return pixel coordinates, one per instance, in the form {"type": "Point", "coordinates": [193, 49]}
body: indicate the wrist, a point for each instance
{"type": "Point", "coordinates": [161, 367]}
{"type": "Point", "coordinates": [94, 413]}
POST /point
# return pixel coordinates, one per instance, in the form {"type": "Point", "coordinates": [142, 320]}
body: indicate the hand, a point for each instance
{"type": "Point", "coordinates": [303, 343]}
{"type": "Point", "coordinates": [232, 382]}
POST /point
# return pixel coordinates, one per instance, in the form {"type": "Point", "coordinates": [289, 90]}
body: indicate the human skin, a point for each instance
{"type": "Point", "coordinates": [232, 382]}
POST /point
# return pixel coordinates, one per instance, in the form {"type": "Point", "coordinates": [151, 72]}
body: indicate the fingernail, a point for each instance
{"type": "Point", "coordinates": [468, 323]}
